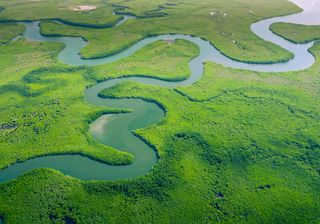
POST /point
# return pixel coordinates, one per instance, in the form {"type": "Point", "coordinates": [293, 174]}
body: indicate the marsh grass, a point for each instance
{"type": "Point", "coordinates": [296, 33]}
{"type": "Point", "coordinates": [9, 31]}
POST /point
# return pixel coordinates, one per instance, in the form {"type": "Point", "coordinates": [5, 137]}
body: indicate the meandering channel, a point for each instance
{"type": "Point", "coordinates": [116, 130]}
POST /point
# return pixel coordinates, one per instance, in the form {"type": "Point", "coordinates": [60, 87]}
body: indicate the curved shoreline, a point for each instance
{"type": "Point", "coordinates": [316, 39]}
{"type": "Point", "coordinates": [108, 54]}
{"type": "Point", "coordinates": [128, 16]}
{"type": "Point", "coordinates": [123, 17]}
{"type": "Point", "coordinates": [146, 155]}
{"type": "Point", "coordinates": [302, 60]}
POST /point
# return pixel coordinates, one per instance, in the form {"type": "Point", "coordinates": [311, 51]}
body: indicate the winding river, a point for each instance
{"type": "Point", "coordinates": [116, 130]}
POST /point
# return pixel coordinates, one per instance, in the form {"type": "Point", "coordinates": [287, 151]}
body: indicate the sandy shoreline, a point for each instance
{"type": "Point", "coordinates": [98, 125]}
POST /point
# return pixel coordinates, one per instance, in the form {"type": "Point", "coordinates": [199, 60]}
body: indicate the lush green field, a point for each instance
{"type": "Point", "coordinates": [9, 31]}
{"type": "Point", "coordinates": [63, 10]}
{"type": "Point", "coordinates": [230, 33]}
{"type": "Point", "coordinates": [235, 147]}
{"type": "Point", "coordinates": [59, 9]}
{"type": "Point", "coordinates": [296, 33]}
{"type": "Point", "coordinates": [161, 60]}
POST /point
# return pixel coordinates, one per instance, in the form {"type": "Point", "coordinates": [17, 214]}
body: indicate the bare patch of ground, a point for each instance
{"type": "Point", "coordinates": [98, 125]}
{"type": "Point", "coordinates": [83, 8]}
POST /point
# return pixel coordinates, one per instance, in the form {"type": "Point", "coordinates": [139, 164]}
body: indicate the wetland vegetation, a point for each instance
{"type": "Point", "coordinates": [235, 147]}
{"type": "Point", "coordinates": [297, 33]}
{"type": "Point", "coordinates": [9, 31]}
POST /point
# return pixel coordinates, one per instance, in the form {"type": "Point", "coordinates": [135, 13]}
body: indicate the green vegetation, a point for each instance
{"type": "Point", "coordinates": [142, 9]}
{"type": "Point", "coordinates": [168, 61]}
{"type": "Point", "coordinates": [40, 103]}
{"type": "Point", "coordinates": [263, 140]}
{"type": "Point", "coordinates": [254, 142]}
{"type": "Point", "coordinates": [229, 29]}
{"type": "Point", "coordinates": [59, 9]}
{"type": "Point", "coordinates": [235, 147]}
{"type": "Point", "coordinates": [296, 33]}
{"type": "Point", "coordinates": [34, 108]}
{"type": "Point", "coordinates": [9, 31]}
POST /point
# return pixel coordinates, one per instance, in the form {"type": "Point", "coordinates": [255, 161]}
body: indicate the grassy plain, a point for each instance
{"type": "Point", "coordinates": [235, 147]}
{"type": "Point", "coordinates": [9, 31]}
{"type": "Point", "coordinates": [164, 61]}
{"type": "Point", "coordinates": [297, 33]}
{"type": "Point", "coordinates": [59, 9]}
{"type": "Point", "coordinates": [228, 29]}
